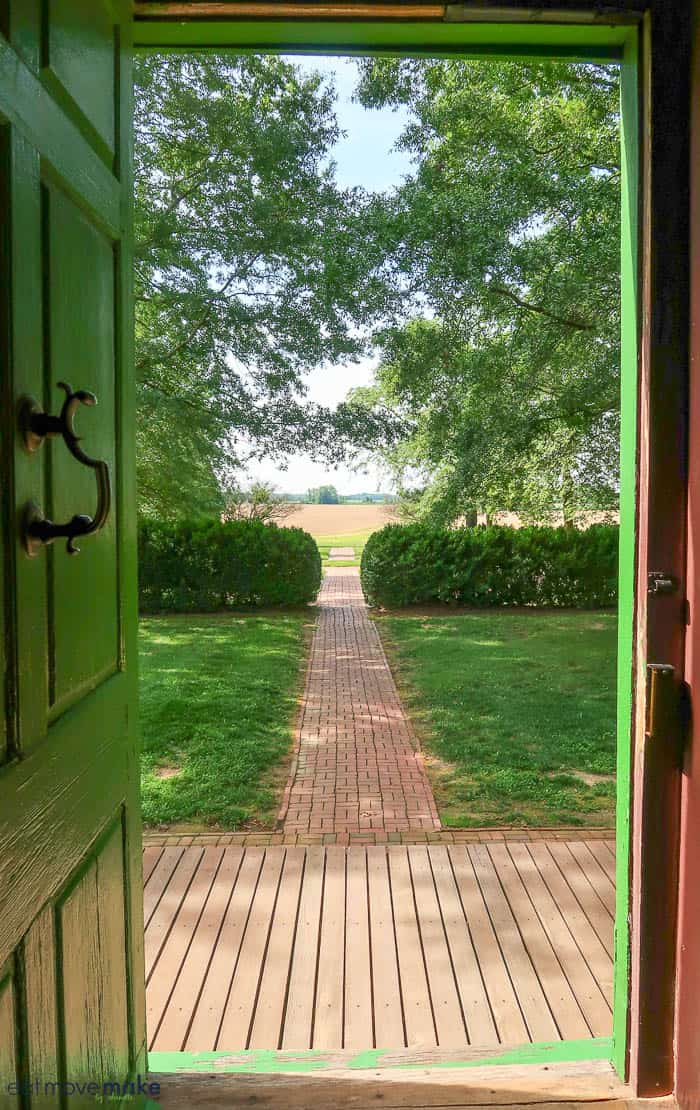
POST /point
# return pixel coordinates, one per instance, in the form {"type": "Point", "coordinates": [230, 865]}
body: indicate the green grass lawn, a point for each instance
{"type": "Point", "coordinates": [218, 698]}
{"type": "Point", "coordinates": [511, 709]}
{"type": "Point", "coordinates": [357, 540]}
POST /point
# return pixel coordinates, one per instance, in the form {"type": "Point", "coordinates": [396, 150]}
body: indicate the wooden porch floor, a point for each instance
{"type": "Point", "coordinates": [387, 946]}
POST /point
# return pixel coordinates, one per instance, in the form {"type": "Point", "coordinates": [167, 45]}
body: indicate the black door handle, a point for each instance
{"type": "Point", "coordinates": [36, 426]}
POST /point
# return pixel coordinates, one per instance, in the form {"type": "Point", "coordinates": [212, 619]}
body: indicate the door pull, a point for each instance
{"type": "Point", "coordinates": [660, 689]}
{"type": "Point", "coordinates": [668, 711]}
{"type": "Point", "coordinates": [38, 530]}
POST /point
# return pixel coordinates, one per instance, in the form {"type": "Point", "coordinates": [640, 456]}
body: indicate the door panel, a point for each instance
{"type": "Point", "coordinates": [71, 929]}
{"type": "Point", "coordinates": [91, 923]}
{"type": "Point", "coordinates": [79, 43]}
{"type": "Point", "coordinates": [40, 989]}
{"type": "Point", "coordinates": [81, 350]}
{"type": "Point", "coordinates": [20, 24]}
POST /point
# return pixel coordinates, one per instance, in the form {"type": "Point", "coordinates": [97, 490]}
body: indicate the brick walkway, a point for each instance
{"type": "Point", "coordinates": [356, 767]}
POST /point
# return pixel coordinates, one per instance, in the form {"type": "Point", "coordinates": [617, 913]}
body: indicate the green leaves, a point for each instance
{"type": "Point", "coordinates": [489, 278]}
{"type": "Point", "coordinates": [508, 234]}
{"type": "Point", "coordinates": [206, 566]}
{"type": "Point", "coordinates": [491, 567]}
{"type": "Point", "coordinates": [251, 268]}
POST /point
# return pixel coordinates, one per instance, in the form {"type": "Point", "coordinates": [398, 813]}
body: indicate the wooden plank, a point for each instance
{"type": "Point", "coordinates": [328, 1017]}
{"type": "Point", "coordinates": [41, 1009]}
{"type": "Point", "coordinates": [210, 1006]}
{"type": "Point", "coordinates": [358, 1019]}
{"type": "Point", "coordinates": [298, 1018]}
{"type": "Point", "coordinates": [596, 880]}
{"type": "Point", "coordinates": [447, 1010]}
{"type": "Point", "coordinates": [253, 964]}
{"type": "Point", "coordinates": [238, 1015]}
{"type": "Point", "coordinates": [597, 875]}
{"type": "Point", "coordinates": [418, 1014]}
{"type": "Point", "coordinates": [173, 954]}
{"type": "Point", "coordinates": [533, 1003]}
{"type": "Point", "coordinates": [577, 922]}
{"type": "Point", "coordinates": [259, 9]}
{"type": "Point", "coordinates": [576, 1086]}
{"type": "Point", "coordinates": [588, 993]}
{"type": "Point", "coordinates": [605, 858]}
{"type": "Point", "coordinates": [571, 1023]}
{"type": "Point", "coordinates": [386, 991]}
{"type": "Point", "coordinates": [8, 1050]}
{"type": "Point", "coordinates": [158, 881]}
{"type": "Point", "coordinates": [505, 1008]}
{"type": "Point", "coordinates": [172, 1032]}
{"type": "Point", "coordinates": [269, 1009]}
{"type": "Point", "coordinates": [161, 922]}
{"type": "Point", "coordinates": [481, 1028]}
{"type": "Point", "coordinates": [151, 855]}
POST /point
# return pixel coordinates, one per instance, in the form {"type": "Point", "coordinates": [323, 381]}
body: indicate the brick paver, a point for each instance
{"type": "Point", "coordinates": [357, 768]}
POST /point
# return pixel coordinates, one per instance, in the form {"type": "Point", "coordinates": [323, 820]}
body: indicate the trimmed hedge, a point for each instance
{"type": "Point", "coordinates": [417, 564]}
{"type": "Point", "coordinates": [203, 566]}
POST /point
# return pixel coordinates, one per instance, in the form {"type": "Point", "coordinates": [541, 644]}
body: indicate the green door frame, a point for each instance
{"type": "Point", "coordinates": [614, 41]}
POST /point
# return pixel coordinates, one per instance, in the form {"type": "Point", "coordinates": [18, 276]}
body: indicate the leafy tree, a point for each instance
{"type": "Point", "coordinates": [328, 495]}
{"type": "Point", "coordinates": [260, 501]}
{"type": "Point", "coordinates": [251, 268]}
{"type": "Point", "coordinates": [507, 240]}
{"type": "Point", "coordinates": [323, 495]}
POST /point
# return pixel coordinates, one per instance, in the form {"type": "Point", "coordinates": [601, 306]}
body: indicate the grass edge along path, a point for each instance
{"type": "Point", "coordinates": [220, 697]}
{"type": "Point", "coordinates": [515, 713]}
{"type": "Point", "coordinates": [356, 540]}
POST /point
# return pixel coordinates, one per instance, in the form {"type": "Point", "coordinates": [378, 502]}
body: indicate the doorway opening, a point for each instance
{"type": "Point", "coordinates": [430, 937]}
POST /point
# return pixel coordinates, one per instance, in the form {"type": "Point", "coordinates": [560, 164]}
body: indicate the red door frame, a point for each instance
{"type": "Point", "coordinates": [688, 986]}
{"type": "Point", "coordinates": [662, 498]}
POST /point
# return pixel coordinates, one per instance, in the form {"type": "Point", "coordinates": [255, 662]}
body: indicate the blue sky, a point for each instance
{"type": "Point", "coordinates": [363, 157]}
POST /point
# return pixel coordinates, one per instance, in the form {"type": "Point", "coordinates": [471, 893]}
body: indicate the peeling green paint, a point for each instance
{"type": "Point", "coordinates": [258, 1060]}
{"type": "Point", "coordinates": [269, 1061]}
{"type": "Point", "coordinates": [368, 1059]}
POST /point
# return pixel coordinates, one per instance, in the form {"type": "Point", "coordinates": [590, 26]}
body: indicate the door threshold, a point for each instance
{"type": "Point", "coordinates": [419, 1086]}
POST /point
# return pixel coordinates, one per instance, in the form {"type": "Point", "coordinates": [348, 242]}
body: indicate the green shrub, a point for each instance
{"type": "Point", "coordinates": [417, 564]}
{"type": "Point", "coordinates": [203, 566]}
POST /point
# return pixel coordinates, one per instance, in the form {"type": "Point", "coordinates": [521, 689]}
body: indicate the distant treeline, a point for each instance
{"type": "Point", "coordinates": [328, 495]}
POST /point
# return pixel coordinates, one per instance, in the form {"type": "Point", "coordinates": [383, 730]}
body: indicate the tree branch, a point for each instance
{"type": "Point", "coordinates": [575, 322]}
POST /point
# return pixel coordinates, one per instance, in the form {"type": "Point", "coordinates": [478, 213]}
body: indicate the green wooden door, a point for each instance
{"type": "Point", "coordinates": [71, 976]}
